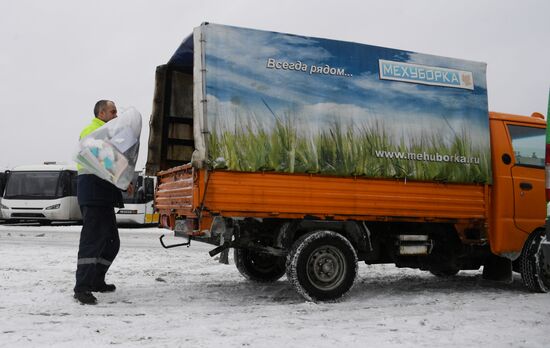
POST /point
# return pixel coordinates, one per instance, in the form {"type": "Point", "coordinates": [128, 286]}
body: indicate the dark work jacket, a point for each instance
{"type": "Point", "coordinates": [92, 190]}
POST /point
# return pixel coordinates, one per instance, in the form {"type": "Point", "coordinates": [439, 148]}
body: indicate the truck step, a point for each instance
{"type": "Point", "coordinates": [414, 244]}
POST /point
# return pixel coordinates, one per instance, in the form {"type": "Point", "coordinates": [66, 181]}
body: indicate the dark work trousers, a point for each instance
{"type": "Point", "coordinates": [99, 245]}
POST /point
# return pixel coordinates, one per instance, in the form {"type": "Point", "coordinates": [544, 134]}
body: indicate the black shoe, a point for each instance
{"type": "Point", "coordinates": [85, 297]}
{"type": "Point", "coordinates": [104, 288]}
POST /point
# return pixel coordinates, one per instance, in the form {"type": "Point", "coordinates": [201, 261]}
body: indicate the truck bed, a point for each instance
{"type": "Point", "coordinates": [186, 191]}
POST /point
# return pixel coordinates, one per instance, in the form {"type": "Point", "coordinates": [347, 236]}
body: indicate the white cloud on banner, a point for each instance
{"type": "Point", "coordinates": [263, 45]}
{"type": "Point", "coordinates": [248, 72]}
{"type": "Point", "coordinates": [387, 91]}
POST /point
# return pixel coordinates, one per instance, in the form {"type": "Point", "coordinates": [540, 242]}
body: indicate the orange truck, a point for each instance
{"type": "Point", "coordinates": [307, 156]}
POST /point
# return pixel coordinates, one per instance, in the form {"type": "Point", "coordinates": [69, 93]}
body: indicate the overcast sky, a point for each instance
{"type": "Point", "coordinates": [59, 57]}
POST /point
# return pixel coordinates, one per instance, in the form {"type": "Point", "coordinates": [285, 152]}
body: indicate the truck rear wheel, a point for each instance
{"type": "Point", "coordinates": [322, 266]}
{"type": "Point", "coordinates": [535, 277]}
{"type": "Point", "coordinates": [259, 267]}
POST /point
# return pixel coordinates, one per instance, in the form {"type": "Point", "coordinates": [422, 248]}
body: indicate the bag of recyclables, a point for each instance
{"type": "Point", "coordinates": [111, 151]}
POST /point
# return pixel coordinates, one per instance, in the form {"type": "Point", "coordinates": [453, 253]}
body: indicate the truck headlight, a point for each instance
{"type": "Point", "coordinates": [3, 206]}
{"type": "Point", "coordinates": [52, 207]}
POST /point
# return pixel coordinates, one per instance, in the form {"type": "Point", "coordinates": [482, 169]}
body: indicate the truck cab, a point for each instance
{"type": "Point", "coordinates": [518, 152]}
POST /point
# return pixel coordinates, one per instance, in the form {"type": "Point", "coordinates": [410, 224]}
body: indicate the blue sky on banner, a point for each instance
{"type": "Point", "coordinates": [238, 80]}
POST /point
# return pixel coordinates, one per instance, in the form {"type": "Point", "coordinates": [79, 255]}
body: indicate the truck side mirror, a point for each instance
{"type": "Point", "coordinates": [506, 158]}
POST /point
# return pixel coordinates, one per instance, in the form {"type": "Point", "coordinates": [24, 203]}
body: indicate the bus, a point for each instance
{"type": "Point", "coordinates": [138, 208]}
{"type": "Point", "coordinates": [43, 193]}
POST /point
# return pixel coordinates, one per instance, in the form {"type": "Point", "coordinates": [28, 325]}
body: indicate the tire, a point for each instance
{"type": "Point", "coordinates": [534, 277]}
{"type": "Point", "coordinates": [322, 266]}
{"type": "Point", "coordinates": [258, 267]}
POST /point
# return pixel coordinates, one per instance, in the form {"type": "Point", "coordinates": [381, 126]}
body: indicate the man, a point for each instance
{"type": "Point", "coordinates": [99, 240]}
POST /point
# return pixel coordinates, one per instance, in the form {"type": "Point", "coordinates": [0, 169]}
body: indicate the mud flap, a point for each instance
{"type": "Point", "coordinates": [498, 269]}
{"type": "Point", "coordinates": [225, 236]}
{"type": "Point", "coordinates": [224, 257]}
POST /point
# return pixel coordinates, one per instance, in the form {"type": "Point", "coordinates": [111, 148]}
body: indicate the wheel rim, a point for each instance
{"type": "Point", "coordinates": [326, 268]}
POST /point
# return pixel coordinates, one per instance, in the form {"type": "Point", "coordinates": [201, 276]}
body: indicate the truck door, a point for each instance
{"type": "Point", "coordinates": [528, 144]}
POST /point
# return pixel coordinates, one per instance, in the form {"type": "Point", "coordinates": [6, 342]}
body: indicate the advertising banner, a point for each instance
{"type": "Point", "coordinates": [295, 104]}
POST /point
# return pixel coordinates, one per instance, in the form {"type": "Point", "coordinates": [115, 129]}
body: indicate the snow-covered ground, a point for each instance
{"type": "Point", "coordinates": [183, 298]}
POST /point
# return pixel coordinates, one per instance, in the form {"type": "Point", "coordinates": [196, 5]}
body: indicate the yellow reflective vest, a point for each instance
{"type": "Point", "coordinates": [95, 124]}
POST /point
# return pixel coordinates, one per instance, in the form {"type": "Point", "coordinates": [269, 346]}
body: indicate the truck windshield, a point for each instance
{"type": "Point", "coordinates": [32, 185]}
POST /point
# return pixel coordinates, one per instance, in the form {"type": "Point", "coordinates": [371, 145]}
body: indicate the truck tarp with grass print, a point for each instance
{"type": "Point", "coordinates": [307, 155]}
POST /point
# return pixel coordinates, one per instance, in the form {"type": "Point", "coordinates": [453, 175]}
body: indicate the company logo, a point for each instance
{"type": "Point", "coordinates": [427, 75]}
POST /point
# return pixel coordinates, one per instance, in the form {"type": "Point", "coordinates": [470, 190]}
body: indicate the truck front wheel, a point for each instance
{"type": "Point", "coordinates": [535, 275]}
{"type": "Point", "coordinates": [322, 266]}
{"type": "Point", "coordinates": [259, 267]}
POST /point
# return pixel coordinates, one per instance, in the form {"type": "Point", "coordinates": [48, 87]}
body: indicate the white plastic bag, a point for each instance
{"type": "Point", "coordinates": [111, 151]}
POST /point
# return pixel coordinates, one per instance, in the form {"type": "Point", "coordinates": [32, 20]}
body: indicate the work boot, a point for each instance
{"type": "Point", "coordinates": [104, 288]}
{"type": "Point", "coordinates": [85, 297]}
